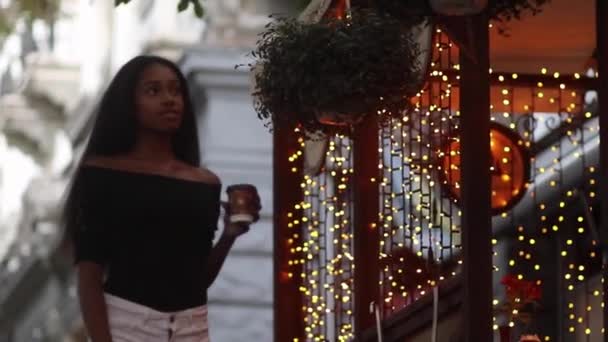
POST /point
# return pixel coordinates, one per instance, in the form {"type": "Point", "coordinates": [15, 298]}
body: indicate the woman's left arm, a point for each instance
{"type": "Point", "coordinates": [231, 232]}
{"type": "Point", "coordinates": [220, 251]}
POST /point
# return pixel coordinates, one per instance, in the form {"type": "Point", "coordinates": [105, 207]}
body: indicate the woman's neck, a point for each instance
{"type": "Point", "coordinates": [153, 147]}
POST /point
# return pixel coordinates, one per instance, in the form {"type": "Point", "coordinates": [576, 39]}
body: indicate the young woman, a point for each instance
{"type": "Point", "coordinates": [142, 214]}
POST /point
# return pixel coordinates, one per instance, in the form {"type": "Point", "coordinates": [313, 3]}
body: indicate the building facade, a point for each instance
{"type": "Point", "coordinates": [52, 74]}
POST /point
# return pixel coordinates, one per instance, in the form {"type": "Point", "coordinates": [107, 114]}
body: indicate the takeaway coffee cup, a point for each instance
{"type": "Point", "coordinates": [243, 202]}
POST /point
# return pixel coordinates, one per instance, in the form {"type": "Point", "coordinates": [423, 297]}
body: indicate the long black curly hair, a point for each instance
{"type": "Point", "coordinates": [114, 129]}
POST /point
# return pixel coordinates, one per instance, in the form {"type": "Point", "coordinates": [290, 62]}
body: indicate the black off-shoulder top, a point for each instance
{"type": "Point", "coordinates": [152, 233]}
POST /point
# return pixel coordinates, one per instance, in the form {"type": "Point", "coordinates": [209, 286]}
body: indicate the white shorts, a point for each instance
{"type": "Point", "coordinates": [132, 322]}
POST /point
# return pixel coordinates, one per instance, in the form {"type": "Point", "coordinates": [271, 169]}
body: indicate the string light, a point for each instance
{"type": "Point", "coordinates": [414, 214]}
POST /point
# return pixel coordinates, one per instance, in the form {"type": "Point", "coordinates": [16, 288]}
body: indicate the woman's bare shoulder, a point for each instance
{"type": "Point", "coordinates": [178, 170]}
{"type": "Point", "coordinates": [103, 161]}
{"type": "Point", "coordinates": [205, 175]}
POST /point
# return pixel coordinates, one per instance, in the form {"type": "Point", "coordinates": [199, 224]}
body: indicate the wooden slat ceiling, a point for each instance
{"type": "Point", "coordinates": [561, 38]}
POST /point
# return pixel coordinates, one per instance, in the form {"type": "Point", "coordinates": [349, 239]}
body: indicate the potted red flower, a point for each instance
{"type": "Point", "coordinates": [522, 297]}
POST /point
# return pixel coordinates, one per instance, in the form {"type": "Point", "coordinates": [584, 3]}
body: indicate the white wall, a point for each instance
{"type": "Point", "coordinates": [92, 41]}
{"type": "Point", "coordinates": [237, 147]}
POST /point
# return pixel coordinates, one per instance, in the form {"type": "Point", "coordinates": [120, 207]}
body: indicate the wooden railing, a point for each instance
{"type": "Point", "coordinates": [414, 322]}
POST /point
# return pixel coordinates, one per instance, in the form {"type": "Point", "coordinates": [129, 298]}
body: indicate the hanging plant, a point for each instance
{"type": "Point", "coordinates": [458, 7]}
{"type": "Point", "coordinates": [506, 10]}
{"type": "Point", "coordinates": [335, 71]}
{"type": "Point", "coordinates": [498, 10]}
{"type": "Point", "coordinates": [28, 10]}
{"type": "Point", "coordinates": [182, 5]}
{"type": "Point", "coordinates": [503, 11]}
{"type": "Point", "coordinates": [522, 299]}
{"type": "Point", "coordinates": [404, 9]}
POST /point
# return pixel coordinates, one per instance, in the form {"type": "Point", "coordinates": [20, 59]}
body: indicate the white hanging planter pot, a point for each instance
{"type": "Point", "coordinates": [315, 150]}
{"type": "Point", "coordinates": [423, 34]}
{"type": "Point", "coordinates": [314, 11]}
{"type": "Point", "coordinates": [458, 7]}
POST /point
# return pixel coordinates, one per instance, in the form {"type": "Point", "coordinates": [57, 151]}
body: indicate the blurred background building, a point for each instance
{"type": "Point", "coordinates": [56, 57]}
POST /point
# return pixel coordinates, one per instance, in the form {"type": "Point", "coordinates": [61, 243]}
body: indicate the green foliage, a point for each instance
{"type": "Point", "coordinates": [182, 5]}
{"type": "Point", "coordinates": [499, 10]}
{"type": "Point", "coordinates": [301, 4]}
{"type": "Point", "coordinates": [506, 10]}
{"type": "Point", "coordinates": [355, 67]}
{"type": "Point", "coordinates": [28, 9]}
{"type": "Point", "coordinates": [403, 9]}
{"type": "Point", "coordinates": [6, 26]}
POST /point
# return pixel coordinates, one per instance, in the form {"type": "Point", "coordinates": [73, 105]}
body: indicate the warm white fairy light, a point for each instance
{"type": "Point", "coordinates": [418, 164]}
{"type": "Point", "coordinates": [326, 250]}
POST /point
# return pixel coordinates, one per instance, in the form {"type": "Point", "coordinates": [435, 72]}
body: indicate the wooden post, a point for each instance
{"type": "Point", "coordinates": [475, 164]}
{"type": "Point", "coordinates": [366, 205]}
{"type": "Point", "coordinates": [288, 301]}
{"type": "Point", "coordinates": [602, 62]}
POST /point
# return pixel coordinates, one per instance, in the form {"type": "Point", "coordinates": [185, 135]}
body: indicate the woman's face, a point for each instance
{"type": "Point", "coordinates": [159, 103]}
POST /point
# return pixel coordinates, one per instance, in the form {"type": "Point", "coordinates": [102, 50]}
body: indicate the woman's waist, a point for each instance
{"type": "Point", "coordinates": [124, 304]}
{"type": "Point", "coordinates": [161, 295]}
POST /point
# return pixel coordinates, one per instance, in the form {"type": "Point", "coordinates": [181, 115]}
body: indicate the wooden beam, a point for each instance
{"type": "Point", "coordinates": [602, 59]}
{"type": "Point", "coordinates": [366, 233]}
{"type": "Point", "coordinates": [532, 80]}
{"type": "Point", "coordinates": [288, 301]}
{"type": "Point", "coordinates": [418, 316]}
{"type": "Point", "coordinates": [475, 164]}
{"type": "Point", "coordinates": [460, 30]}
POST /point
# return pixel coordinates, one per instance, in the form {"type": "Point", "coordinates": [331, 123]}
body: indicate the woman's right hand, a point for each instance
{"type": "Point", "coordinates": [233, 230]}
{"type": "Point", "coordinates": [92, 301]}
